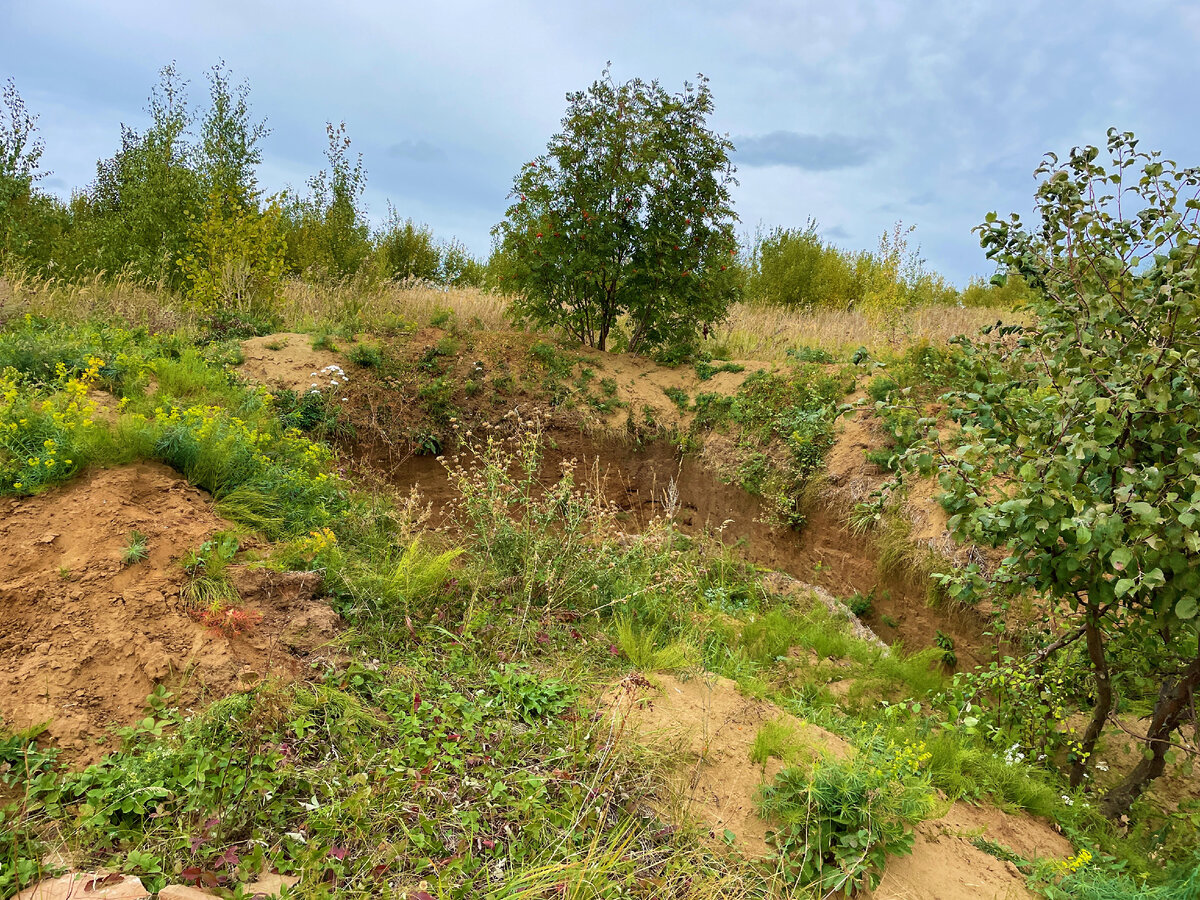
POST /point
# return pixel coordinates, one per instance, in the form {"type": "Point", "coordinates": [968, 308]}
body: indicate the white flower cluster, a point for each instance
{"type": "Point", "coordinates": [1013, 755]}
{"type": "Point", "coordinates": [337, 376]}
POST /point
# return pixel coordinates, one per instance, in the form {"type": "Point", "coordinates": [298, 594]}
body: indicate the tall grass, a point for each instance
{"type": "Point", "coordinates": [766, 332]}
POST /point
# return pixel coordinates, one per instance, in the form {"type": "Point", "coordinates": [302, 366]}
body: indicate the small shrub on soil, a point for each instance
{"type": "Point", "coordinates": [369, 356]}
{"type": "Point", "coordinates": [679, 397]}
{"type": "Point", "coordinates": [840, 819]}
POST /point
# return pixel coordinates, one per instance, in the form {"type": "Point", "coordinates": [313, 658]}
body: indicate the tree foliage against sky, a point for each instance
{"type": "Point", "coordinates": [1088, 466]}
{"type": "Point", "coordinates": [627, 213]}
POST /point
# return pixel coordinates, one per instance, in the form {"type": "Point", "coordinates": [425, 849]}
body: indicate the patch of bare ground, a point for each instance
{"type": "Point", "coordinates": [642, 385]}
{"type": "Point", "coordinates": [707, 728]}
{"type": "Point", "coordinates": [288, 360]}
{"type": "Point", "coordinates": [85, 638]}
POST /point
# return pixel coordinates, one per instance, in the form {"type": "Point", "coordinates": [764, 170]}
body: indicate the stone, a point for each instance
{"type": "Point", "coordinates": [93, 885]}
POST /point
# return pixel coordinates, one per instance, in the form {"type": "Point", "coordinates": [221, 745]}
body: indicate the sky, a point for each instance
{"type": "Point", "coordinates": [856, 114]}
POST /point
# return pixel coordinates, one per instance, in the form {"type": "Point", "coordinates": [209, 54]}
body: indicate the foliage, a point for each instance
{"type": "Point", "coordinates": [543, 537]}
{"type": "Point", "coordinates": [138, 212]}
{"type": "Point", "coordinates": [136, 550]}
{"type": "Point", "coordinates": [628, 213]}
{"type": "Point", "coordinates": [20, 156]}
{"type": "Point", "coordinates": [531, 698]}
{"type": "Point", "coordinates": [1098, 441]}
{"type": "Point", "coordinates": [369, 356]}
{"type": "Point", "coordinates": [236, 263]}
{"type": "Point", "coordinates": [404, 250]}
{"type": "Point", "coordinates": [646, 649]}
{"type": "Point", "coordinates": [840, 819]}
{"type": "Point", "coordinates": [798, 269]}
{"type": "Point", "coordinates": [327, 232]}
{"type": "Point", "coordinates": [43, 441]}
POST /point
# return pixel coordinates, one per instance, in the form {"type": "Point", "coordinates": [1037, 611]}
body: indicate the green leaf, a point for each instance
{"type": "Point", "coordinates": [1186, 608]}
{"type": "Point", "coordinates": [1124, 586]}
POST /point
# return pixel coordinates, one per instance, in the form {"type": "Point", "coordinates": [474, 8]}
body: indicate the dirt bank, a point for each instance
{"type": "Point", "coordinates": [84, 638]}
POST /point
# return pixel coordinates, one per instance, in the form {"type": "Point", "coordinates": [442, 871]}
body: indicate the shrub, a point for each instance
{"type": "Point", "coordinates": [369, 356]}
{"type": "Point", "coordinates": [546, 539]}
{"type": "Point", "coordinates": [840, 819]}
{"type": "Point", "coordinates": [47, 441]}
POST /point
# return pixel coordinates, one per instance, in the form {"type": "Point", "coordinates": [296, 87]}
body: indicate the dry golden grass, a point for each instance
{"type": "Point", "coordinates": [768, 332]}
{"type": "Point", "coordinates": [381, 306]}
{"type": "Point", "coordinates": [96, 297]}
{"type": "Point", "coordinates": [751, 332]}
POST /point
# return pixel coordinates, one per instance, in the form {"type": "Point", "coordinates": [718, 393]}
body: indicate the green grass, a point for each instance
{"type": "Point", "coordinates": [136, 550]}
{"type": "Point", "coordinates": [452, 735]}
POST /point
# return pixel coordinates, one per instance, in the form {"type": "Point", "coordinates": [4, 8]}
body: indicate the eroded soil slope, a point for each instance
{"type": "Point", "coordinates": [708, 728]}
{"type": "Point", "coordinates": [84, 639]}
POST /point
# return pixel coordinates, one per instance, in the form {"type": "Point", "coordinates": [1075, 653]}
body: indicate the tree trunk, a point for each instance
{"type": "Point", "coordinates": [1104, 697]}
{"type": "Point", "coordinates": [1174, 707]}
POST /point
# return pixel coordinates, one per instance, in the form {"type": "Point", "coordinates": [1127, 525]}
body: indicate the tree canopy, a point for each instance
{"type": "Point", "coordinates": [1079, 448]}
{"type": "Point", "coordinates": [627, 213]}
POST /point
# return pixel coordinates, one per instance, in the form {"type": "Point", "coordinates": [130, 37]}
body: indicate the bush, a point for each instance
{"type": "Point", "coordinates": [543, 539]}
{"type": "Point", "coordinates": [46, 441]}
{"type": "Point", "coordinates": [840, 819]}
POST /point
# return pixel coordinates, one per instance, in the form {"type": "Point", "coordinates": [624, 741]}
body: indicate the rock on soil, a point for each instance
{"type": "Point", "coordinates": [91, 885]}
{"type": "Point", "coordinates": [84, 639]}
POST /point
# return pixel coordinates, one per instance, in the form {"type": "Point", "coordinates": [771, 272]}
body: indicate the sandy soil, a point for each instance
{"type": "Point", "coordinates": [708, 727]}
{"type": "Point", "coordinates": [295, 365]}
{"type": "Point", "coordinates": [84, 639]}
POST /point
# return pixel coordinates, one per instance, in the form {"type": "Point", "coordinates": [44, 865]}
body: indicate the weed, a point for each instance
{"type": "Point", "coordinates": [861, 604]}
{"type": "Point", "coordinates": [945, 643]}
{"type": "Point", "coordinates": [369, 356]}
{"type": "Point", "coordinates": [776, 738]}
{"type": "Point", "coordinates": [706, 370]}
{"type": "Point", "coordinates": [839, 820]}
{"type": "Point", "coordinates": [679, 397]}
{"type": "Point", "coordinates": [646, 649]}
{"type": "Point", "coordinates": [136, 549]}
{"type": "Point", "coordinates": [531, 698]}
{"type": "Point", "coordinates": [323, 340]}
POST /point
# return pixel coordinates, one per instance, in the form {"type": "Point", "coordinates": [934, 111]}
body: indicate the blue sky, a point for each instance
{"type": "Point", "coordinates": [855, 113]}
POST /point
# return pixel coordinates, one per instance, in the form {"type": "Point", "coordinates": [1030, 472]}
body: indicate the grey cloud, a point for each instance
{"type": "Point", "coordinates": [417, 150]}
{"type": "Point", "coordinates": [836, 233]}
{"type": "Point", "coordinates": [814, 152]}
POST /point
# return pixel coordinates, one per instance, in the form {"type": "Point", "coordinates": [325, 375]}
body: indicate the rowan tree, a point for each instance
{"type": "Point", "coordinates": [627, 213]}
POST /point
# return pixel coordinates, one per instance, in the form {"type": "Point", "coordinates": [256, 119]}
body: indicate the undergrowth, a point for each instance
{"type": "Point", "coordinates": [454, 745]}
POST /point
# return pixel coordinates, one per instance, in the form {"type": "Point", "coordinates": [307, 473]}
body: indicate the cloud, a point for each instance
{"type": "Point", "coordinates": [836, 233]}
{"type": "Point", "coordinates": [813, 152]}
{"type": "Point", "coordinates": [418, 150]}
